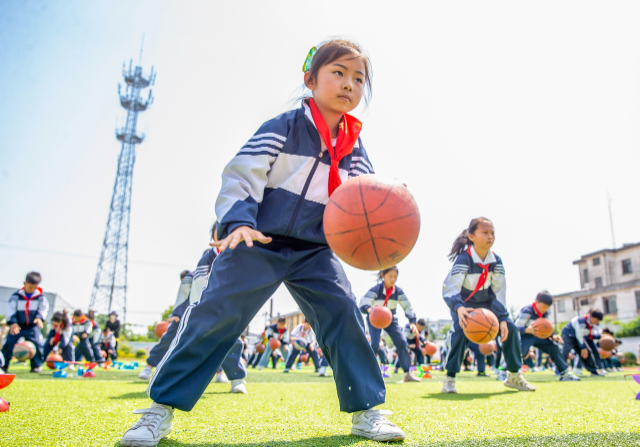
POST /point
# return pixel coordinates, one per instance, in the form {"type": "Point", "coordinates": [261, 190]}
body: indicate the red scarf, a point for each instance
{"type": "Point", "coordinates": [483, 276]}
{"type": "Point", "coordinates": [388, 293]}
{"type": "Point", "coordinates": [586, 321]}
{"type": "Point", "coordinates": [281, 331]}
{"type": "Point", "coordinates": [535, 309]}
{"type": "Point", "coordinates": [80, 320]}
{"type": "Point", "coordinates": [56, 337]}
{"type": "Point", "coordinates": [26, 307]}
{"type": "Point", "coordinates": [348, 132]}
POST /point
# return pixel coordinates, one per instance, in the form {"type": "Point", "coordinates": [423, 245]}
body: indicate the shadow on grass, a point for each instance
{"type": "Point", "coordinates": [134, 395]}
{"type": "Point", "coordinates": [466, 396]}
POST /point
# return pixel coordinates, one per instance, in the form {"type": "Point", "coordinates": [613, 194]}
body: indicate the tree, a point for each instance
{"type": "Point", "coordinates": [444, 330]}
{"type": "Point", "coordinates": [630, 328]}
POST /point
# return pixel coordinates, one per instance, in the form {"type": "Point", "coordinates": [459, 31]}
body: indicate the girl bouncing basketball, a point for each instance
{"type": "Point", "coordinates": [477, 281]}
{"type": "Point", "coordinates": [274, 191]}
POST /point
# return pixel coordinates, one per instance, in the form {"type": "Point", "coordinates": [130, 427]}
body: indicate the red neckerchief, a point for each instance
{"type": "Point", "coordinates": [56, 337]}
{"type": "Point", "coordinates": [483, 276]}
{"type": "Point", "coordinates": [535, 309]}
{"type": "Point", "coordinates": [388, 293]}
{"type": "Point", "coordinates": [80, 321]}
{"type": "Point", "coordinates": [26, 307]}
{"type": "Point", "coordinates": [586, 321]}
{"type": "Point", "coordinates": [348, 132]}
{"type": "Point", "coordinates": [281, 331]}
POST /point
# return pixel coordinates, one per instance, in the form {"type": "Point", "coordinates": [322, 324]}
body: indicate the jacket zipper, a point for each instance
{"type": "Point", "coordinates": [302, 196]}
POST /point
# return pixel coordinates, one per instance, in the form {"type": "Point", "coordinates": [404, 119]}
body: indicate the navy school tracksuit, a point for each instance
{"type": "Point", "coordinates": [376, 296]}
{"type": "Point", "coordinates": [580, 334]}
{"type": "Point", "coordinates": [108, 343]}
{"type": "Point", "coordinates": [310, 338]}
{"type": "Point", "coordinates": [481, 359]}
{"type": "Point", "coordinates": [410, 336]}
{"type": "Point", "coordinates": [63, 339]}
{"type": "Point", "coordinates": [96, 333]}
{"type": "Point", "coordinates": [529, 314]}
{"type": "Point", "coordinates": [82, 328]}
{"type": "Point", "coordinates": [277, 184]}
{"type": "Point", "coordinates": [458, 291]}
{"type": "Point", "coordinates": [23, 310]}
{"type": "Point", "coordinates": [282, 335]}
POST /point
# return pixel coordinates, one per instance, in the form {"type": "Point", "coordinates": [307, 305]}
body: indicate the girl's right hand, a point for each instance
{"type": "Point", "coordinates": [238, 235]}
{"type": "Point", "coordinates": [51, 342]}
{"type": "Point", "coordinates": [463, 314]}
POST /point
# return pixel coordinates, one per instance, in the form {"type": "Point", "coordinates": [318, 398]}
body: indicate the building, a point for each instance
{"type": "Point", "coordinates": [436, 326]}
{"type": "Point", "coordinates": [56, 302]}
{"type": "Point", "coordinates": [293, 319]}
{"type": "Point", "coordinates": [609, 281]}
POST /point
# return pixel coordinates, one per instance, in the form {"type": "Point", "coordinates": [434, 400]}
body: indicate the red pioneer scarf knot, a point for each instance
{"type": "Point", "coordinates": [586, 321]}
{"type": "Point", "coordinates": [388, 293]}
{"type": "Point", "coordinates": [483, 276]}
{"type": "Point", "coordinates": [535, 309]}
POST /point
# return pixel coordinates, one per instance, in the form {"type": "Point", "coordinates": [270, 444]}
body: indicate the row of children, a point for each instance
{"type": "Point", "coordinates": [74, 338]}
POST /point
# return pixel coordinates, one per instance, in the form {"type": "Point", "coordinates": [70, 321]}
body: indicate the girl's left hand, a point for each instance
{"type": "Point", "coordinates": [413, 328]}
{"type": "Point", "coordinates": [504, 331]}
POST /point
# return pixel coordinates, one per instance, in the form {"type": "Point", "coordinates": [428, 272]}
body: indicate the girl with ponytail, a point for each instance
{"type": "Point", "coordinates": [60, 337]}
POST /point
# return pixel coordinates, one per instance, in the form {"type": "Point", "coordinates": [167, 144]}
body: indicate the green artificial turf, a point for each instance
{"type": "Point", "coordinates": [300, 409]}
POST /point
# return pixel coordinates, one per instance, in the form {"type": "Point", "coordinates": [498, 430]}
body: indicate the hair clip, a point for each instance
{"type": "Point", "coordinates": [307, 62]}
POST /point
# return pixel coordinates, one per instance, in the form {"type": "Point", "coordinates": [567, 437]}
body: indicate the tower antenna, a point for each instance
{"type": "Point", "coordinates": [141, 47]}
{"type": "Point", "coordinates": [613, 235]}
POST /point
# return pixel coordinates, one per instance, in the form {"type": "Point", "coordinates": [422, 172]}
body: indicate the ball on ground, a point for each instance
{"type": "Point", "coordinates": [52, 359]}
{"type": "Point", "coordinates": [380, 317]}
{"type": "Point", "coordinates": [482, 326]}
{"type": "Point", "coordinates": [24, 351]}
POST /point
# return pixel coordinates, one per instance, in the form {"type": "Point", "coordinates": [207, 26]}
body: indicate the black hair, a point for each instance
{"type": "Point", "coordinates": [77, 313]}
{"type": "Point", "coordinates": [607, 331]}
{"type": "Point", "coordinates": [183, 274]}
{"type": "Point", "coordinates": [33, 278]}
{"type": "Point", "coordinates": [61, 317]}
{"type": "Point", "coordinates": [282, 319]}
{"type": "Point", "coordinates": [106, 328]}
{"type": "Point", "coordinates": [545, 298]}
{"type": "Point", "coordinates": [421, 322]}
{"type": "Point", "coordinates": [91, 315]}
{"type": "Point", "coordinates": [463, 240]}
{"type": "Point", "coordinates": [381, 273]}
{"type": "Point", "coordinates": [596, 313]}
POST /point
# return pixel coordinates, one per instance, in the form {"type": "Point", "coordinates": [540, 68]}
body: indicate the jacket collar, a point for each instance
{"type": "Point", "coordinates": [307, 113]}
{"type": "Point", "coordinates": [490, 259]}
{"type": "Point", "coordinates": [36, 294]}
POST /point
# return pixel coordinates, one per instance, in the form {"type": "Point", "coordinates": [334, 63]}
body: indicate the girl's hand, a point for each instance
{"type": "Point", "coordinates": [15, 329]}
{"type": "Point", "coordinates": [584, 353]}
{"type": "Point", "coordinates": [412, 346]}
{"type": "Point", "coordinates": [175, 319]}
{"type": "Point", "coordinates": [38, 322]}
{"type": "Point", "coordinates": [463, 314]}
{"type": "Point", "coordinates": [413, 328]}
{"type": "Point", "coordinates": [529, 330]}
{"type": "Point", "coordinates": [238, 235]}
{"type": "Point", "coordinates": [51, 342]}
{"type": "Point", "coordinates": [504, 331]}
{"type": "Point", "coordinates": [558, 339]}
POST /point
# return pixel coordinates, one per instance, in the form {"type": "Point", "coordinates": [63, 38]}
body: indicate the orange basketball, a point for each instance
{"type": "Point", "coordinates": [482, 326]}
{"type": "Point", "coordinates": [274, 344]}
{"type": "Point", "coordinates": [260, 348]}
{"type": "Point", "coordinates": [487, 348]}
{"type": "Point", "coordinates": [304, 358]}
{"type": "Point", "coordinates": [371, 223]}
{"type": "Point", "coordinates": [604, 354]}
{"type": "Point", "coordinates": [430, 349]}
{"type": "Point", "coordinates": [161, 328]}
{"type": "Point", "coordinates": [52, 359]}
{"type": "Point", "coordinates": [380, 317]}
{"type": "Point", "coordinates": [607, 343]}
{"type": "Point", "coordinates": [542, 328]}
{"type": "Point", "coordinates": [104, 354]}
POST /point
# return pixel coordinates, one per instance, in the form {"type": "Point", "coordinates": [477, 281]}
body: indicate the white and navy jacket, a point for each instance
{"type": "Point", "coordinates": [82, 327]}
{"type": "Point", "coordinates": [272, 332]}
{"type": "Point", "coordinates": [278, 182]}
{"type": "Point", "coordinates": [577, 328]}
{"type": "Point", "coordinates": [96, 332]}
{"type": "Point", "coordinates": [299, 332]}
{"type": "Point", "coordinates": [23, 311]}
{"type": "Point", "coordinates": [376, 296]}
{"type": "Point", "coordinates": [182, 300]}
{"type": "Point", "coordinates": [411, 336]}
{"type": "Point", "coordinates": [109, 341]}
{"type": "Point", "coordinates": [65, 334]}
{"type": "Point", "coordinates": [526, 317]}
{"type": "Point", "coordinates": [463, 278]}
{"type": "Point", "coordinates": [201, 275]}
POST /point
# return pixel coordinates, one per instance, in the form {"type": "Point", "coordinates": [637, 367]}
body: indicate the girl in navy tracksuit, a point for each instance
{"type": "Point", "coordinates": [477, 281]}
{"type": "Point", "coordinates": [274, 191]}
{"type": "Point", "coordinates": [60, 337]}
{"type": "Point", "coordinates": [82, 328]}
{"type": "Point", "coordinates": [387, 294]}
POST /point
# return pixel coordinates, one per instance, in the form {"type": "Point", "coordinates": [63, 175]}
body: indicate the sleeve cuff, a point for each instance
{"type": "Point", "coordinates": [234, 225]}
{"type": "Point", "coordinates": [456, 307]}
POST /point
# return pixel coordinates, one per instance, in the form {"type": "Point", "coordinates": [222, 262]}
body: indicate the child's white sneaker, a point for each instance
{"type": "Point", "coordinates": [260, 367]}
{"type": "Point", "coordinates": [146, 373]}
{"type": "Point", "coordinates": [221, 378]}
{"type": "Point", "coordinates": [72, 367]}
{"type": "Point", "coordinates": [449, 385]}
{"type": "Point", "coordinates": [372, 424]}
{"type": "Point", "coordinates": [154, 425]}
{"type": "Point", "coordinates": [322, 372]}
{"type": "Point", "coordinates": [408, 377]}
{"type": "Point", "coordinates": [568, 376]}
{"type": "Point", "coordinates": [517, 381]}
{"type": "Point", "coordinates": [237, 386]}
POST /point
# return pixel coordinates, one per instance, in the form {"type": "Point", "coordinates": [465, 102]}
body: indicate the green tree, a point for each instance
{"type": "Point", "coordinates": [444, 330]}
{"type": "Point", "coordinates": [629, 329]}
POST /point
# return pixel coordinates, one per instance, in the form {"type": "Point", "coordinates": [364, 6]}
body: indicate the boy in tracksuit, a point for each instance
{"type": "Point", "coordinates": [96, 333]}
{"type": "Point", "coordinates": [27, 309]}
{"type": "Point", "coordinates": [82, 328]}
{"type": "Point", "coordinates": [415, 341]}
{"type": "Point", "coordinates": [304, 332]}
{"type": "Point", "coordinates": [108, 344]}
{"type": "Point", "coordinates": [280, 332]}
{"type": "Point", "coordinates": [580, 335]}
{"type": "Point", "coordinates": [524, 323]}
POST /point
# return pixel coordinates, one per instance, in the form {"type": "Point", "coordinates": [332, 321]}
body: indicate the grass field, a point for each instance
{"type": "Point", "coordinates": [301, 409]}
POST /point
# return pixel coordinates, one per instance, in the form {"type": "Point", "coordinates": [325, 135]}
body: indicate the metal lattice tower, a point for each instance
{"type": "Point", "coordinates": [110, 286]}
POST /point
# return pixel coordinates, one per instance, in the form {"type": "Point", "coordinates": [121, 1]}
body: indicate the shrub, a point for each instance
{"type": "Point", "coordinates": [629, 329]}
{"type": "Point", "coordinates": [629, 358]}
{"type": "Point", "coordinates": [141, 354]}
{"type": "Point", "coordinates": [124, 350]}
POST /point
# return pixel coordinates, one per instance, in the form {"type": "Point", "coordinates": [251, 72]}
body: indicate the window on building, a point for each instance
{"type": "Point", "coordinates": [584, 302]}
{"type": "Point", "coordinates": [598, 281]}
{"type": "Point", "coordinates": [585, 275]}
{"type": "Point", "coordinates": [626, 266]}
{"type": "Point", "coordinates": [610, 305]}
{"type": "Point", "coordinates": [638, 299]}
{"type": "Point", "coordinates": [596, 261]}
{"type": "Point", "coordinates": [561, 306]}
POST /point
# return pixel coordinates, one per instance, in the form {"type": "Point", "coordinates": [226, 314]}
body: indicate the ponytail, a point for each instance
{"type": "Point", "coordinates": [381, 273]}
{"type": "Point", "coordinates": [62, 317]}
{"type": "Point", "coordinates": [463, 240]}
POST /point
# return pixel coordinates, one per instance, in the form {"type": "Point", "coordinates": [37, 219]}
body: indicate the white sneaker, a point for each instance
{"type": "Point", "coordinates": [569, 376]}
{"type": "Point", "coordinates": [372, 424]}
{"type": "Point", "coordinates": [449, 385]}
{"type": "Point", "coordinates": [322, 372]}
{"type": "Point", "coordinates": [154, 425]}
{"type": "Point", "coordinates": [260, 367]}
{"type": "Point", "coordinates": [222, 378]}
{"type": "Point", "coordinates": [517, 381]}
{"type": "Point", "coordinates": [578, 371]}
{"type": "Point", "coordinates": [146, 373]}
{"type": "Point", "coordinates": [408, 377]}
{"type": "Point", "coordinates": [502, 376]}
{"type": "Point", "coordinates": [237, 386]}
{"type": "Point", "coordinates": [72, 367]}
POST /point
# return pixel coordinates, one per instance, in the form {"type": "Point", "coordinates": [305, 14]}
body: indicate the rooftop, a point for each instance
{"type": "Point", "coordinates": [607, 250]}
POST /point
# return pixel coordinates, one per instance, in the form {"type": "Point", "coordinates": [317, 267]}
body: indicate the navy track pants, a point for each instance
{"type": "Point", "coordinates": [34, 336]}
{"type": "Point", "coordinates": [457, 345]}
{"type": "Point", "coordinates": [591, 362]}
{"type": "Point", "coordinates": [232, 365]}
{"type": "Point", "coordinates": [294, 355]}
{"type": "Point", "coordinates": [399, 341]}
{"type": "Point", "coordinates": [65, 347]}
{"type": "Point", "coordinates": [419, 355]}
{"type": "Point", "coordinates": [83, 349]}
{"type": "Point", "coordinates": [241, 281]}
{"type": "Point", "coordinates": [161, 348]}
{"type": "Point", "coordinates": [547, 346]}
{"type": "Point", "coordinates": [481, 360]}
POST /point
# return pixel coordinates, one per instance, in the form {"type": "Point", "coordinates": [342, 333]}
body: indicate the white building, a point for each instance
{"type": "Point", "coordinates": [609, 280]}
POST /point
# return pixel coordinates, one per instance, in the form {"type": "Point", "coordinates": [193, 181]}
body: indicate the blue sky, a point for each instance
{"type": "Point", "coordinates": [525, 113]}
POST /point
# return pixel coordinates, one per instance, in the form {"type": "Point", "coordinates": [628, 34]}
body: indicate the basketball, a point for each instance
{"type": "Point", "coordinates": [607, 343]}
{"type": "Point", "coordinates": [487, 348]}
{"type": "Point", "coordinates": [304, 358]}
{"type": "Point", "coordinates": [380, 317]}
{"type": "Point", "coordinates": [274, 344]}
{"type": "Point", "coordinates": [161, 328]}
{"type": "Point", "coordinates": [104, 354]}
{"type": "Point", "coordinates": [300, 344]}
{"type": "Point", "coordinates": [542, 328]}
{"type": "Point", "coordinates": [430, 349]}
{"type": "Point", "coordinates": [4, 405]}
{"type": "Point", "coordinates": [371, 223]}
{"type": "Point", "coordinates": [482, 326]}
{"type": "Point", "coordinates": [604, 354]}
{"type": "Point", "coordinates": [24, 351]}
{"type": "Point", "coordinates": [52, 359]}
{"type": "Point", "coordinates": [260, 348]}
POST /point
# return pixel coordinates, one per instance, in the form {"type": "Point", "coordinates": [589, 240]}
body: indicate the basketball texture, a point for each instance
{"type": "Point", "coordinates": [380, 317]}
{"type": "Point", "coordinates": [260, 348]}
{"type": "Point", "coordinates": [24, 351]}
{"type": "Point", "coordinates": [161, 328]}
{"type": "Point", "coordinates": [604, 354]}
{"type": "Point", "coordinates": [300, 344]}
{"type": "Point", "coordinates": [274, 344]}
{"type": "Point", "coordinates": [607, 343]}
{"type": "Point", "coordinates": [487, 348]}
{"type": "Point", "coordinates": [542, 328]}
{"type": "Point", "coordinates": [430, 349]}
{"type": "Point", "coordinates": [482, 326]}
{"type": "Point", "coordinates": [52, 359]}
{"type": "Point", "coordinates": [371, 223]}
